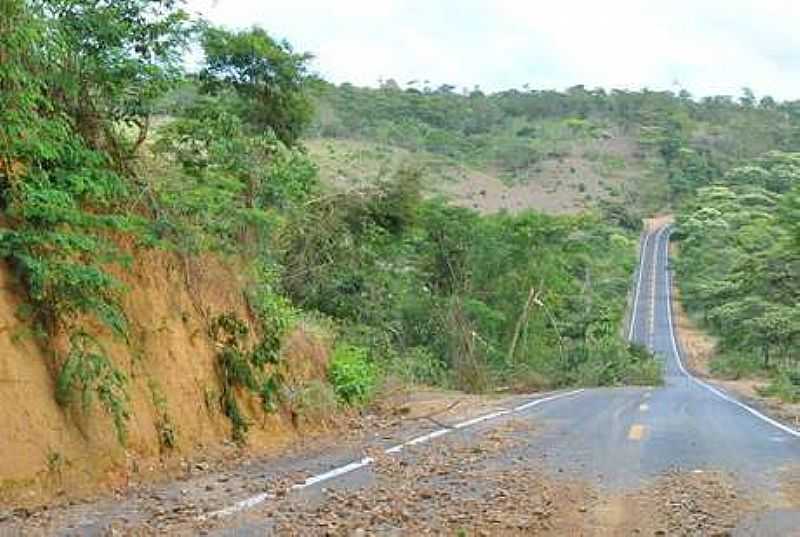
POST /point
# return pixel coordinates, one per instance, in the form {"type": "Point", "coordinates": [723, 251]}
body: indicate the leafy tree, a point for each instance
{"type": "Point", "coordinates": [108, 63]}
{"type": "Point", "coordinates": [270, 77]}
{"type": "Point", "coordinates": [740, 262]}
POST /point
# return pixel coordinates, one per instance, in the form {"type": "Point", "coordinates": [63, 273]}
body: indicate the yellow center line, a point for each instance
{"type": "Point", "coordinates": [636, 432]}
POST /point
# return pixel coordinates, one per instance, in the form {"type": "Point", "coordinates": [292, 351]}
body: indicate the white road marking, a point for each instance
{"type": "Point", "coordinates": [240, 506]}
{"type": "Point", "coordinates": [638, 286]}
{"type": "Point", "coordinates": [643, 407]}
{"type": "Point", "coordinates": [366, 461]}
{"type": "Point", "coordinates": [341, 470]}
{"type": "Point", "coordinates": [651, 320]}
{"type": "Point", "coordinates": [712, 389]}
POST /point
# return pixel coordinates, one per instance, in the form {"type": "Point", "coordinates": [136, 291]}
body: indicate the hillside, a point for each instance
{"type": "Point", "coordinates": [609, 169]}
{"type": "Point", "coordinates": [279, 249]}
{"type": "Point", "coordinates": [549, 150]}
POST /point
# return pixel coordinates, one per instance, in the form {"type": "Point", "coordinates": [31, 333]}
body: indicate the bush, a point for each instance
{"type": "Point", "coordinates": [315, 403]}
{"type": "Point", "coordinates": [418, 365]}
{"type": "Point", "coordinates": [785, 386]}
{"type": "Point", "coordinates": [352, 374]}
{"type": "Point", "coordinates": [734, 366]}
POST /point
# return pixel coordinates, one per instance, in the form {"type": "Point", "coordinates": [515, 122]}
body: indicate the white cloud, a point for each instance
{"type": "Point", "coordinates": [709, 47]}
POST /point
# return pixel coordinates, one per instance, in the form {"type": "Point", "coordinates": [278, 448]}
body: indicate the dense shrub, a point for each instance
{"type": "Point", "coordinates": [352, 374]}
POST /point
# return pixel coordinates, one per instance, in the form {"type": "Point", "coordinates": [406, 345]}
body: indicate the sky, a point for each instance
{"type": "Point", "coordinates": [708, 47]}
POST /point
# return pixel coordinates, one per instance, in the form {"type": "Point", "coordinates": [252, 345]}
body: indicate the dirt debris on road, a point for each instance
{"type": "Point", "coordinates": [450, 488]}
{"type": "Point", "coordinates": [688, 504]}
{"type": "Point", "coordinates": [476, 483]}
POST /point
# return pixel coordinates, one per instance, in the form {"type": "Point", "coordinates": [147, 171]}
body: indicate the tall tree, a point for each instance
{"type": "Point", "coordinates": [109, 61]}
{"type": "Point", "coordinates": [270, 77]}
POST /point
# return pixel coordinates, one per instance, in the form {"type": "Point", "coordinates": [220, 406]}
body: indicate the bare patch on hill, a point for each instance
{"type": "Point", "coordinates": [575, 179]}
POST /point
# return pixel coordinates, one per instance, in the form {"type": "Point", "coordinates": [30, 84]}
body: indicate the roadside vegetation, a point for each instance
{"type": "Point", "coordinates": [740, 269]}
{"type": "Point", "coordinates": [108, 146]}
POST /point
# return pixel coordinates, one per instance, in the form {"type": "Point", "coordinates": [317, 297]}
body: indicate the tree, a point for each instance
{"type": "Point", "coordinates": [108, 61]}
{"type": "Point", "coordinates": [268, 75]}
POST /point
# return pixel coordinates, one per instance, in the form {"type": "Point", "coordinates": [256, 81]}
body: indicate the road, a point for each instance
{"type": "Point", "coordinates": [683, 458]}
{"type": "Point", "coordinates": [623, 439]}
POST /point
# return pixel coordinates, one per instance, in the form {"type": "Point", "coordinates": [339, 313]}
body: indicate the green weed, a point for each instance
{"type": "Point", "coordinates": [89, 371]}
{"type": "Point", "coordinates": [352, 374]}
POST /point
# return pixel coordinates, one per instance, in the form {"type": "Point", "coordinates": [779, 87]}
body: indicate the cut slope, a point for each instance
{"type": "Point", "coordinates": [173, 386]}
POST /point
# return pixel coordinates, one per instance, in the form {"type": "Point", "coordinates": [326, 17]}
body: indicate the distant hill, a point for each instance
{"type": "Point", "coordinates": [551, 151]}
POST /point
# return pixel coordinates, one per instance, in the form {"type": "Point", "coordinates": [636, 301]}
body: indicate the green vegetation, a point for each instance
{"type": "Point", "coordinates": [105, 141]}
{"type": "Point", "coordinates": [442, 295]}
{"type": "Point", "coordinates": [740, 267]}
{"type": "Point", "coordinates": [352, 374]}
{"type": "Point", "coordinates": [79, 81]}
{"type": "Point", "coordinates": [682, 142]}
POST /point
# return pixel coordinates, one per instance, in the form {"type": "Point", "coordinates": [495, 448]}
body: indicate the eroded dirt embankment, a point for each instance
{"type": "Point", "coordinates": [50, 452]}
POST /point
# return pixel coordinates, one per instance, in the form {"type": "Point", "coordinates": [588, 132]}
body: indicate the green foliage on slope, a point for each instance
{"type": "Point", "coordinates": [79, 81]}
{"type": "Point", "coordinates": [740, 265]}
{"type": "Point", "coordinates": [413, 279]}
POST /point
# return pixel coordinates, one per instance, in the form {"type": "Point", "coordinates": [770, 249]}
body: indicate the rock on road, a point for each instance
{"type": "Point", "coordinates": [684, 458]}
{"type": "Point", "coordinates": [619, 440]}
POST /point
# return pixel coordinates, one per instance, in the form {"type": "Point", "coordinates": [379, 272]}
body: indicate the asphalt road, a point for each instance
{"type": "Point", "coordinates": [689, 423]}
{"type": "Point", "coordinates": [621, 439]}
{"type": "Point", "coordinates": [613, 439]}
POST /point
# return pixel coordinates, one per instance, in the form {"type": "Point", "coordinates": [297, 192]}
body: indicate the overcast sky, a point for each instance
{"type": "Point", "coordinates": [705, 46]}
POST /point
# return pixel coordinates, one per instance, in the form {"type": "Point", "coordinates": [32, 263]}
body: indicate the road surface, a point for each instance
{"type": "Point", "coordinates": [683, 458]}
{"type": "Point", "coordinates": [622, 439]}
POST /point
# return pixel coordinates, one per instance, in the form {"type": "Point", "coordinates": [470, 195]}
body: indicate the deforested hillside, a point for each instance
{"type": "Point", "coordinates": [548, 150]}
{"type": "Point", "coordinates": [232, 256]}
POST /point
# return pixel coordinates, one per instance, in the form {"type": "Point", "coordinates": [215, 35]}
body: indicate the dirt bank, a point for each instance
{"type": "Point", "coordinates": [50, 452]}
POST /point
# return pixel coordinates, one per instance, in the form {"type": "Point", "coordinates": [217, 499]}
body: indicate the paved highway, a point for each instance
{"type": "Point", "coordinates": [633, 433]}
{"type": "Point", "coordinates": [613, 440]}
{"type": "Point", "coordinates": [622, 439]}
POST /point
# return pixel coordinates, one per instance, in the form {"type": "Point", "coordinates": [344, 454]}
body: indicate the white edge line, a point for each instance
{"type": "Point", "coordinates": [336, 472]}
{"type": "Point", "coordinates": [638, 287]}
{"type": "Point", "coordinates": [710, 388]}
{"type": "Point", "coordinates": [247, 503]}
{"type": "Point", "coordinates": [366, 461]}
{"type": "Point", "coordinates": [481, 419]}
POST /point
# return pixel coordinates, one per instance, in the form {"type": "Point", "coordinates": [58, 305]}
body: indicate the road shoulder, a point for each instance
{"type": "Point", "coordinates": [698, 348]}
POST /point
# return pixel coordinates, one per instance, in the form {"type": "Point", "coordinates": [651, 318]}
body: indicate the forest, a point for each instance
{"type": "Point", "coordinates": [107, 141]}
{"type": "Point", "coordinates": [730, 166]}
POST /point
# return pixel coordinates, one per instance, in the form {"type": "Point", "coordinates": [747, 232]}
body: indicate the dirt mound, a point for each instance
{"type": "Point", "coordinates": [49, 451]}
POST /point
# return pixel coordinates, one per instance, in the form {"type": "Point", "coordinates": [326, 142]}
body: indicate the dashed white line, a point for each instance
{"type": "Point", "coordinates": [366, 461]}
